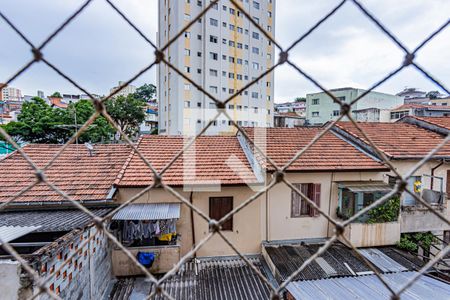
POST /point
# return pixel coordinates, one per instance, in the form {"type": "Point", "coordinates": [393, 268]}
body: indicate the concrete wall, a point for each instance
{"type": "Point", "coordinates": [373, 235]}
{"type": "Point", "coordinates": [166, 258]}
{"type": "Point", "coordinates": [10, 284]}
{"type": "Point", "coordinates": [246, 234]}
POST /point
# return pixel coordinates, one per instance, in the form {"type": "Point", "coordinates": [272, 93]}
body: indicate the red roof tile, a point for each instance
{"type": "Point", "coordinates": [329, 153]}
{"type": "Point", "coordinates": [81, 176]}
{"type": "Point", "coordinates": [443, 122]}
{"type": "Point", "coordinates": [211, 160]}
{"type": "Point", "coordinates": [398, 140]}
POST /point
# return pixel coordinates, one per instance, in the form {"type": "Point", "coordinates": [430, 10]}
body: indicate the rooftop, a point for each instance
{"type": "Point", "coordinates": [421, 106]}
{"type": "Point", "coordinates": [337, 261]}
{"type": "Point", "coordinates": [443, 122]}
{"type": "Point", "coordinates": [215, 278]}
{"type": "Point", "coordinates": [50, 220]}
{"type": "Point", "coordinates": [369, 287]}
{"type": "Point", "coordinates": [396, 140]}
{"type": "Point", "coordinates": [328, 153]}
{"type": "Point", "coordinates": [81, 176]}
{"type": "Point", "coordinates": [210, 160]}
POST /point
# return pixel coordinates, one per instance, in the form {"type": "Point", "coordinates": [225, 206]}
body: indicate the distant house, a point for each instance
{"type": "Point", "coordinates": [288, 119]}
{"type": "Point", "coordinates": [150, 122]}
{"type": "Point", "coordinates": [321, 108]}
{"type": "Point", "coordinates": [419, 110]}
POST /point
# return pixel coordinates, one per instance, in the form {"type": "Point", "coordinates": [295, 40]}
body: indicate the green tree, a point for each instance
{"type": "Point", "coordinates": [300, 99]}
{"type": "Point", "coordinates": [128, 112]}
{"type": "Point", "coordinates": [38, 122]}
{"type": "Point", "coordinates": [56, 95]}
{"type": "Point", "coordinates": [78, 113]}
{"type": "Point", "coordinates": [146, 92]}
{"type": "Point", "coordinates": [433, 94]}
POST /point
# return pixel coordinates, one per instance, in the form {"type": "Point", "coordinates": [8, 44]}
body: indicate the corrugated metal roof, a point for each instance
{"type": "Point", "coordinates": [367, 186]}
{"type": "Point", "coordinates": [369, 287]}
{"type": "Point", "coordinates": [149, 211]}
{"type": "Point", "coordinates": [381, 260]}
{"type": "Point", "coordinates": [341, 260]}
{"type": "Point", "coordinates": [51, 220]}
{"type": "Point", "coordinates": [204, 279]}
{"type": "Point", "coordinates": [10, 233]}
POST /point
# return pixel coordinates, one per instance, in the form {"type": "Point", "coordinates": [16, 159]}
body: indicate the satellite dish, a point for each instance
{"type": "Point", "coordinates": [89, 146]}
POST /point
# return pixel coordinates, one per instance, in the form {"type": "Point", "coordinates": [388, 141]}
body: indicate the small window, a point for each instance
{"type": "Point", "coordinates": [336, 113]}
{"type": "Point", "coordinates": [213, 22]}
{"type": "Point", "coordinates": [220, 207]}
{"type": "Point", "coordinates": [256, 4]}
{"type": "Point", "coordinates": [315, 101]}
{"type": "Point", "coordinates": [315, 113]}
{"type": "Point", "coordinates": [213, 39]}
{"type": "Point", "coordinates": [299, 205]}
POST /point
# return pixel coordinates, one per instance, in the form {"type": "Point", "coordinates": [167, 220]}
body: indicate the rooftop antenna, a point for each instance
{"type": "Point", "coordinates": [90, 148]}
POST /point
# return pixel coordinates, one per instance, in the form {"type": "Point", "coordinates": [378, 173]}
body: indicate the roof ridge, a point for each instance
{"type": "Point", "coordinates": [127, 162]}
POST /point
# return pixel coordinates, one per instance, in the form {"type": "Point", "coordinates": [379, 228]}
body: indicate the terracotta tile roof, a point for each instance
{"type": "Point", "coordinates": [418, 106]}
{"type": "Point", "coordinates": [328, 153]}
{"type": "Point", "coordinates": [443, 122]}
{"type": "Point", "coordinates": [81, 176]}
{"type": "Point", "coordinates": [213, 163]}
{"type": "Point", "coordinates": [398, 140]}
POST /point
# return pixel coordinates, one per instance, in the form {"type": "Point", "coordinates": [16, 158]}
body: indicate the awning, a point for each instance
{"type": "Point", "coordinates": [366, 186]}
{"type": "Point", "coordinates": [149, 211]}
{"type": "Point", "coordinates": [10, 233]}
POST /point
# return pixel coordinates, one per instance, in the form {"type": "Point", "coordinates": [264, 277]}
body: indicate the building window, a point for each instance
{"type": "Point", "coordinates": [187, 52]}
{"type": "Point", "coordinates": [187, 69]}
{"type": "Point", "coordinates": [255, 50]}
{"type": "Point", "coordinates": [199, 54]}
{"type": "Point", "coordinates": [213, 72]}
{"type": "Point", "coordinates": [336, 113]}
{"type": "Point", "coordinates": [187, 34]}
{"type": "Point", "coordinates": [255, 66]}
{"type": "Point", "coordinates": [213, 39]}
{"type": "Point", "coordinates": [213, 55]}
{"type": "Point", "coordinates": [315, 101]}
{"type": "Point", "coordinates": [213, 22]}
{"type": "Point", "coordinates": [213, 89]}
{"type": "Point", "coordinates": [254, 95]}
{"type": "Point", "coordinates": [256, 4]}
{"type": "Point", "coordinates": [231, 43]}
{"type": "Point", "coordinates": [342, 99]}
{"type": "Point", "coordinates": [187, 17]}
{"type": "Point", "coordinates": [187, 104]}
{"type": "Point", "coordinates": [220, 207]}
{"type": "Point", "coordinates": [315, 113]}
{"type": "Point", "coordinates": [187, 87]}
{"type": "Point", "coordinates": [299, 205]}
{"type": "Point", "coordinates": [255, 35]}
{"type": "Point", "coordinates": [199, 37]}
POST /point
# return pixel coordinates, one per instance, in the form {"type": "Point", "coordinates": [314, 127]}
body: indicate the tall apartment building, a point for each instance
{"type": "Point", "coordinates": [221, 52]}
{"type": "Point", "coordinates": [11, 94]}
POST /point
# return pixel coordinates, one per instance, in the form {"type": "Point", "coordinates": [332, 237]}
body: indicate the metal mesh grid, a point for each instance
{"type": "Point", "coordinates": [279, 174]}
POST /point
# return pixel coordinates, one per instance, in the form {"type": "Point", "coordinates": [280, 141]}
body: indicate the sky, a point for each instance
{"type": "Point", "coordinates": [99, 48]}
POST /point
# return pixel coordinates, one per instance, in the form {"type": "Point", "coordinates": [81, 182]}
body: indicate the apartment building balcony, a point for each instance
{"type": "Point", "coordinates": [378, 227]}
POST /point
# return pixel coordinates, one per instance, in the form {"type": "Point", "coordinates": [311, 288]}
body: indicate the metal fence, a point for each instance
{"type": "Point", "coordinates": [279, 174]}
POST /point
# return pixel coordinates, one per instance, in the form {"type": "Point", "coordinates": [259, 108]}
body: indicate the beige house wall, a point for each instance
{"type": "Point", "coordinates": [282, 227]}
{"type": "Point", "coordinates": [247, 228]}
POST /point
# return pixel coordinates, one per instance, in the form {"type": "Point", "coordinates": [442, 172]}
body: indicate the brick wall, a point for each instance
{"type": "Point", "coordinates": [88, 273]}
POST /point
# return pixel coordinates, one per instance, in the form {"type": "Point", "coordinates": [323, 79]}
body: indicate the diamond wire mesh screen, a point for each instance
{"type": "Point", "coordinates": [278, 177]}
